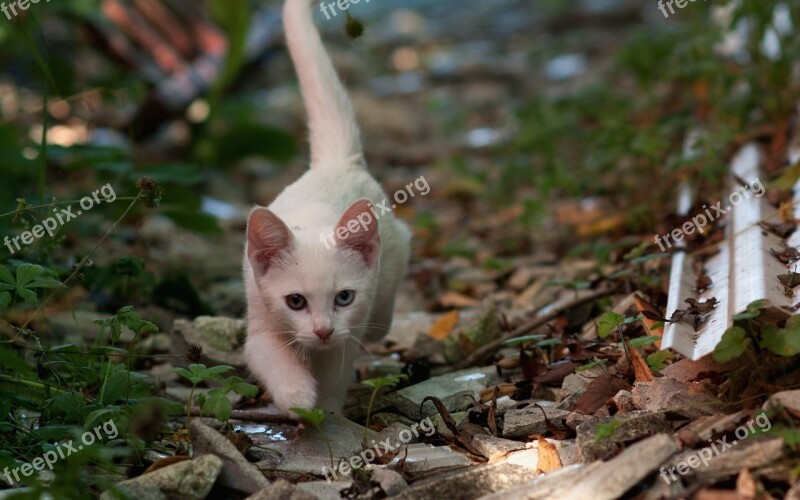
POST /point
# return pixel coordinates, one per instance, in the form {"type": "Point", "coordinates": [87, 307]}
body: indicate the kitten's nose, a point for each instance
{"type": "Point", "coordinates": [323, 333]}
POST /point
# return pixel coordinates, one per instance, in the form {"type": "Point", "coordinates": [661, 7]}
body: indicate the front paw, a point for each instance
{"type": "Point", "coordinates": [295, 395]}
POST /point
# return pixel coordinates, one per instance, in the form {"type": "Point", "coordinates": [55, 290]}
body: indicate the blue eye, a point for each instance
{"type": "Point", "coordinates": [296, 301]}
{"type": "Point", "coordinates": [345, 298]}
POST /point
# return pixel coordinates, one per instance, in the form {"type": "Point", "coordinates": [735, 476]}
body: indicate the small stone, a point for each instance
{"type": "Point", "coordinates": [237, 473]}
{"type": "Point", "coordinates": [473, 482]}
{"type": "Point", "coordinates": [495, 448]}
{"type": "Point", "coordinates": [790, 400]}
{"type": "Point", "coordinates": [390, 481]}
{"type": "Point", "coordinates": [190, 479]}
{"type": "Point", "coordinates": [623, 400]}
{"type": "Point", "coordinates": [393, 434]}
{"type": "Point", "coordinates": [282, 489]}
{"type": "Point", "coordinates": [691, 400]}
{"type": "Point", "coordinates": [624, 429]}
{"type": "Point", "coordinates": [452, 389]}
{"type": "Point", "coordinates": [612, 479]}
{"type": "Point", "coordinates": [426, 457]}
{"type": "Point", "coordinates": [531, 420]}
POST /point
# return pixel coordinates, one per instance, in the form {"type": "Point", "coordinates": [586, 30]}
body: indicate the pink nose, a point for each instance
{"type": "Point", "coordinates": [323, 333]}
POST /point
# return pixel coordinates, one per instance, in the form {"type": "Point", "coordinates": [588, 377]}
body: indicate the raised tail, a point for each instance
{"type": "Point", "coordinates": [333, 132]}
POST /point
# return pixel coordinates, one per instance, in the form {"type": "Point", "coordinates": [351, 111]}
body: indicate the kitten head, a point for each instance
{"type": "Point", "coordinates": [317, 294]}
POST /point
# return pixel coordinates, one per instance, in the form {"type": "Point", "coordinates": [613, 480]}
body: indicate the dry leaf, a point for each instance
{"type": "Point", "coordinates": [444, 325]}
{"type": "Point", "coordinates": [649, 312]}
{"type": "Point", "coordinates": [641, 371]}
{"type": "Point", "coordinates": [548, 456]}
{"type": "Point", "coordinates": [455, 299]}
{"type": "Point", "coordinates": [746, 485]}
{"type": "Point", "coordinates": [603, 388]}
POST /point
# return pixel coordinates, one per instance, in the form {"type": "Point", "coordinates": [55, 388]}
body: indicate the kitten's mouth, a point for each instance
{"type": "Point", "coordinates": [323, 345]}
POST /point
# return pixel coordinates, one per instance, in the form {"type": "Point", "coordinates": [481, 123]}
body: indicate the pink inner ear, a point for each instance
{"type": "Point", "coordinates": [358, 230]}
{"type": "Point", "coordinates": [267, 237]}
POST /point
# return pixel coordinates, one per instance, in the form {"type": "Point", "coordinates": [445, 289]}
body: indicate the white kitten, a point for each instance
{"type": "Point", "coordinates": [309, 304]}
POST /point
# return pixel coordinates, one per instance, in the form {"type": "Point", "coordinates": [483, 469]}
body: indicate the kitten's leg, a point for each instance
{"type": "Point", "coordinates": [393, 270]}
{"type": "Point", "coordinates": [334, 371]}
{"type": "Point", "coordinates": [284, 375]}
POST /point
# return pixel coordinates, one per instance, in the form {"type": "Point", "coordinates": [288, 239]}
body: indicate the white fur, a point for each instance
{"type": "Point", "coordinates": [297, 367]}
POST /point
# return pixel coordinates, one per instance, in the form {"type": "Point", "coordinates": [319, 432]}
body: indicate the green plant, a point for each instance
{"type": "Point", "coordinates": [217, 402]}
{"type": "Point", "coordinates": [197, 373]}
{"type": "Point", "coordinates": [315, 417]}
{"type": "Point", "coordinates": [377, 384]}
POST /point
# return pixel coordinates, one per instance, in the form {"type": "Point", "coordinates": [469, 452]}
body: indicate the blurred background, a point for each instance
{"type": "Point", "coordinates": [550, 132]}
{"type": "Point", "coordinates": [545, 128]}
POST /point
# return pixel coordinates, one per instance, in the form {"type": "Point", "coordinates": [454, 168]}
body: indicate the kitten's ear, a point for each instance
{"type": "Point", "coordinates": [359, 225]}
{"type": "Point", "coordinates": [267, 237]}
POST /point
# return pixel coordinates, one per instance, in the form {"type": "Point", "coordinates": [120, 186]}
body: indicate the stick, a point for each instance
{"type": "Point", "coordinates": [480, 353]}
{"type": "Point", "coordinates": [254, 416]}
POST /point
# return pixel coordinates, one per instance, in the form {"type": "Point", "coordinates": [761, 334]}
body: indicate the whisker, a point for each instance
{"type": "Point", "coordinates": [360, 343]}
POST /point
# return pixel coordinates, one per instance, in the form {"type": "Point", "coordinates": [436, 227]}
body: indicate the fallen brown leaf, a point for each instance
{"type": "Point", "coordinates": [641, 371]}
{"type": "Point", "coordinates": [549, 460]}
{"type": "Point", "coordinates": [444, 325]}
{"type": "Point", "coordinates": [599, 391]}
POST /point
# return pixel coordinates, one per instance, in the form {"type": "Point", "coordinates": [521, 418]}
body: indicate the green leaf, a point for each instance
{"type": "Point", "coordinates": [732, 345]}
{"type": "Point", "coordinates": [549, 343]}
{"type": "Point", "coordinates": [753, 310]}
{"type": "Point", "coordinates": [14, 361]}
{"type": "Point", "coordinates": [643, 341]}
{"type": "Point", "coordinates": [6, 276]}
{"type": "Point", "coordinates": [524, 340]}
{"type": "Point", "coordinates": [218, 404]}
{"type": "Point", "coordinates": [782, 341]}
{"type": "Point", "coordinates": [607, 323]}
{"type": "Point", "coordinates": [589, 366]}
{"type": "Point", "coordinates": [384, 381]}
{"type": "Point", "coordinates": [313, 417]}
{"type": "Point", "coordinates": [240, 387]}
{"type": "Point", "coordinates": [657, 360]}
{"type": "Point", "coordinates": [605, 431]}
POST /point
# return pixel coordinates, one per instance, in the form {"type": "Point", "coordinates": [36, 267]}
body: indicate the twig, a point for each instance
{"type": "Point", "coordinates": [482, 352]}
{"type": "Point", "coordinates": [253, 416]}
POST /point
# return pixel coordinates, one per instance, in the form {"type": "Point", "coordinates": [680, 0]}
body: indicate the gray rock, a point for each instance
{"type": "Point", "coordinates": [391, 482]}
{"type": "Point", "coordinates": [222, 338]}
{"type": "Point", "coordinates": [613, 478]}
{"type": "Point", "coordinates": [548, 486]}
{"type": "Point", "coordinates": [393, 433]}
{"type": "Point", "coordinates": [789, 400]}
{"type": "Point", "coordinates": [237, 473]}
{"type": "Point", "coordinates": [453, 389]}
{"type": "Point", "coordinates": [531, 420]}
{"type": "Point", "coordinates": [495, 448]}
{"type": "Point", "coordinates": [191, 479]}
{"type": "Point", "coordinates": [441, 427]}
{"type": "Point", "coordinates": [308, 453]}
{"type": "Point", "coordinates": [626, 428]}
{"type": "Point", "coordinates": [426, 457]}
{"type": "Point", "coordinates": [324, 490]}
{"type": "Point", "coordinates": [220, 332]}
{"type": "Point", "coordinates": [283, 490]}
{"type": "Point", "coordinates": [470, 483]}
{"type": "Point", "coordinates": [691, 400]}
